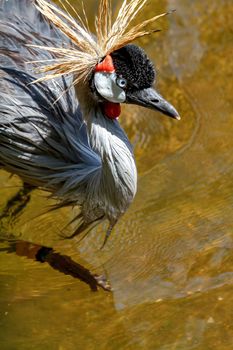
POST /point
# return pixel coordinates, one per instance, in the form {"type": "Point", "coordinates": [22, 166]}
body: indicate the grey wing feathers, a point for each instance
{"type": "Point", "coordinates": [44, 142]}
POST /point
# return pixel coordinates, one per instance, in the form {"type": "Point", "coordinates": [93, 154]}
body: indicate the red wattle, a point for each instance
{"type": "Point", "coordinates": [112, 110]}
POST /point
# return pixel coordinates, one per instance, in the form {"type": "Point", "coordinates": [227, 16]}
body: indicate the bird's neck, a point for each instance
{"type": "Point", "coordinates": [116, 184]}
{"type": "Point", "coordinates": [118, 174]}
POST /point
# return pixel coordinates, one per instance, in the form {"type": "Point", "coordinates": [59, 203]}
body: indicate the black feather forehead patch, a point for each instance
{"type": "Point", "coordinates": [132, 64]}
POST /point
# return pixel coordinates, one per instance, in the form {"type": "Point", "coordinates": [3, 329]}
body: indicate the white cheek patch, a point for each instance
{"type": "Point", "coordinates": [106, 86]}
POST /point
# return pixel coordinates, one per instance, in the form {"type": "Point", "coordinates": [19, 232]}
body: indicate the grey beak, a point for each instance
{"type": "Point", "coordinates": [150, 98]}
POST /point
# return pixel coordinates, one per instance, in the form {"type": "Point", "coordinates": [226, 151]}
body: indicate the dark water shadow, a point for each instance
{"type": "Point", "coordinates": [57, 261]}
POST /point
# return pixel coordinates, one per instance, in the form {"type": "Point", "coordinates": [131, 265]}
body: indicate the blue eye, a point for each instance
{"type": "Point", "coordinates": [121, 82]}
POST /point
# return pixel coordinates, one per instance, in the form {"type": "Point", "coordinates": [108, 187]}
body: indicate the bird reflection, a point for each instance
{"type": "Point", "coordinates": [57, 261]}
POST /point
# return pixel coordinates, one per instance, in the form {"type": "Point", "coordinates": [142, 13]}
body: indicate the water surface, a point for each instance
{"type": "Point", "coordinates": [170, 259]}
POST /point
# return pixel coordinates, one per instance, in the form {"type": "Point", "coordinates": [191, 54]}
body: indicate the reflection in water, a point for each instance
{"type": "Point", "coordinates": [59, 262]}
{"type": "Point", "coordinates": [169, 259]}
{"type": "Point", "coordinates": [184, 42]}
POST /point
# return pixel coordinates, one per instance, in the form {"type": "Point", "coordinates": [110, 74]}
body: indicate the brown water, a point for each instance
{"type": "Point", "coordinates": [170, 259]}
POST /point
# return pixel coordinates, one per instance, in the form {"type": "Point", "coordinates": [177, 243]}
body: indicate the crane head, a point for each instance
{"type": "Point", "coordinates": [127, 76]}
{"type": "Point", "coordinates": [119, 72]}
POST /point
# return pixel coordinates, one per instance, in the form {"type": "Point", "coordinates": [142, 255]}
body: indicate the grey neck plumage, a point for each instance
{"type": "Point", "coordinates": [113, 186]}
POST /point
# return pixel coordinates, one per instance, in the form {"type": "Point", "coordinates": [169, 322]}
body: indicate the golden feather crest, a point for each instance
{"type": "Point", "coordinates": [85, 50]}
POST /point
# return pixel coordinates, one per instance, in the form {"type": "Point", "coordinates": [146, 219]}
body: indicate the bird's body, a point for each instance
{"type": "Point", "coordinates": [70, 147]}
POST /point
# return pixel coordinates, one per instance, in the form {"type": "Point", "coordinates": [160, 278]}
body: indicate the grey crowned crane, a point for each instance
{"type": "Point", "coordinates": [60, 93]}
